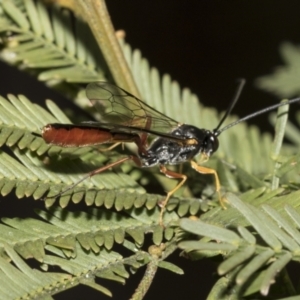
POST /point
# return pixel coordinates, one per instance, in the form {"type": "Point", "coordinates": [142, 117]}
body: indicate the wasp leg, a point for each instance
{"type": "Point", "coordinates": [170, 174]}
{"type": "Point", "coordinates": [204, 170]}
{"type": "Point", "coordinates": [97, 171]}
{"type": "Point", "coordinates": [110, 147]}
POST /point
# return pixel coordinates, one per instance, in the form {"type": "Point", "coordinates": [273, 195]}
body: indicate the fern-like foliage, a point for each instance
{"type": "Point", "coordinates": [284, 81]}
{"type": "Point", "coordinates": [256, 235]}
{"type": "Point", "coordinates": [251, 261]}
{"type": "Point", "coordinates": [44, 39]}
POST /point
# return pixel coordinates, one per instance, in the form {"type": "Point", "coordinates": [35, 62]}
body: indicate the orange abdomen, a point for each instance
{"type": "Point", "coordinates": [68, 135]}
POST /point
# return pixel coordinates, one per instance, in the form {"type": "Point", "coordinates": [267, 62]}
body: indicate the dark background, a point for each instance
{"type": "Point", "coordinates": [206, 46]}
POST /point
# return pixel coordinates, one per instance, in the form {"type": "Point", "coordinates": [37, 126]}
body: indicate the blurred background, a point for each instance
{"type": "Point", "coordinates": [206, 46]}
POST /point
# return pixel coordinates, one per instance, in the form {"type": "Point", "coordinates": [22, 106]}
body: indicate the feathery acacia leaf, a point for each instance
{"type": "Point", "coordinates": [257, 236]}
{"type": "Point", "coordinates": [279, 243]}
{"type": "Point", "coordinates": [51, 42]}
{"type": "Point", "coordinates": [283, 82]}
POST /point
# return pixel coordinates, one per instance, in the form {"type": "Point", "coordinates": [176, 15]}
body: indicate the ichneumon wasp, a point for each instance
{"type": "Point", "coordinates": [127, 119]}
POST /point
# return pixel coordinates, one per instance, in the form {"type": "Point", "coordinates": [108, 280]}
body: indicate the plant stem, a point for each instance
{"type": "Point", "coordinates": [96, 15]}
{"type": "Point", "coordinates": [278, 139]}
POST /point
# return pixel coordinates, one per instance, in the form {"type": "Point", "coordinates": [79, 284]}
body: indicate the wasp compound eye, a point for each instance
{"type": "Point", "coordinates": [210, 144]}
{"type": "Point", "coordinates": [214, 143]}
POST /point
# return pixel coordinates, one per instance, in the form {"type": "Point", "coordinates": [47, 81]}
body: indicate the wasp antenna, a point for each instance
{"type": "Point", "coordinates": [257, 113]}
{"type": "Point", "coordinates": [236, 97]}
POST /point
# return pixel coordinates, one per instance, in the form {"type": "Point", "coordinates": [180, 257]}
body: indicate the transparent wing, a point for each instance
{"type": "Point", "coordinates": [119, 107]}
